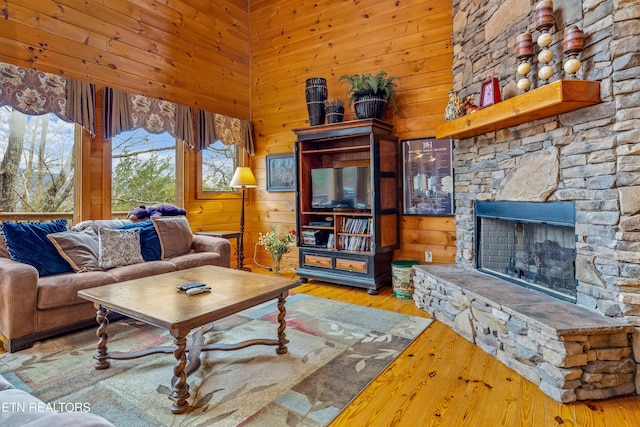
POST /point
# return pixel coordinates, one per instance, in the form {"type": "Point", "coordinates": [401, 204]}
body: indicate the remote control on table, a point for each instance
{"type": "Point", "coordinates": [191, 285]}
{"type": "Point", "coordinates": [198, 290]}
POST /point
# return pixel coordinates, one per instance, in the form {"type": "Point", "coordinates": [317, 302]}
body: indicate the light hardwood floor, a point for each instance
{"type": "Point", "coordinates": [444, 380]}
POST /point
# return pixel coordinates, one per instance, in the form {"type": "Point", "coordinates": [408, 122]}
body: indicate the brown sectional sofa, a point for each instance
{"type": "Point", "coordinates": [33, 308]}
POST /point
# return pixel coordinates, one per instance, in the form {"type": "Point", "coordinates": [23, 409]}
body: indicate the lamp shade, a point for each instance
{"type": "Point", "coordinates": [243, 177]}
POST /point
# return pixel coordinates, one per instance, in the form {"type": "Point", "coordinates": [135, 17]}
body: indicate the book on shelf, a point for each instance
{"type": "Point", "coordinates": [357, 225]}
{"type": "Point", "coordinates": [354, 243]}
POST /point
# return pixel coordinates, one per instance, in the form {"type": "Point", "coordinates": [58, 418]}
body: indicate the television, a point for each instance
{"type": "Point", "coordinates": [341, 188]}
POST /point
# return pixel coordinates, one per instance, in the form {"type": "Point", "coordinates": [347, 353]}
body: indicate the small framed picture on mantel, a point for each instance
{"type": "Point", "coordinates": [490, 94]}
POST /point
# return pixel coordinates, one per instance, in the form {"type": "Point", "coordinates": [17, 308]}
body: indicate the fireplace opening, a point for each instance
{"type": "Point", "coordinates": [528, 243]}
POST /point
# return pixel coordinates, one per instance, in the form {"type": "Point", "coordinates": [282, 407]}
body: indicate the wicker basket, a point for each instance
{"type": "Point", "coordinates": [370, 107]}
{"type": "Point", "coordinates": [335, 113]}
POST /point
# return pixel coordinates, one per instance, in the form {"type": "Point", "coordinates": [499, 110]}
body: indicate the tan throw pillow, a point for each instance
{"type": "Point", "coordinates": [79, 248]}
{"type": "Point", "coordinates": [4, 252]}
{"type": "Point", "coordinates": [174, 234]}
{"type": "Point", "coordinates": [119, 247]}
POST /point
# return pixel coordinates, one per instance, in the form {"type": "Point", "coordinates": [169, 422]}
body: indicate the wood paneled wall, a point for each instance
{"type": "Point", "coordinates": [246, 59]}
{"type": "Point", "coordinates": [193, 52]}
{"type": "Point", "coordinates": [293, 40]}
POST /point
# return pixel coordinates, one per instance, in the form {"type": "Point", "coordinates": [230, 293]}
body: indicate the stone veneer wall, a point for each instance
{"type": "Point", "coordinates": [590, 156]}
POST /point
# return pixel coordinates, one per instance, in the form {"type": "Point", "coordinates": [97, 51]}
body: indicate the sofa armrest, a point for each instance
{"type": "Point", "coordinates": [18, 296]}
{"type": "Point", "coordinates": [203, 243]}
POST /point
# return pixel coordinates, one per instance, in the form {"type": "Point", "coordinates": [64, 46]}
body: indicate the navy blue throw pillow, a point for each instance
{"type": "Point", "coordinates": [149, 241]}
{"type": "Point", "coordinates": [27, 243]}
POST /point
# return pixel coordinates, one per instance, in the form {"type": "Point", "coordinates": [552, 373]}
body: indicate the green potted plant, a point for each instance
{"type": "Point", "coordinates": [334, 109]}
{"type": "Point", "coordinates": [370, 94]}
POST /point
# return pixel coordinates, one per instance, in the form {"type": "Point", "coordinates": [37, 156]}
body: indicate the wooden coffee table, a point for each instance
{"type": "Point", "coordinates": [156, 300]}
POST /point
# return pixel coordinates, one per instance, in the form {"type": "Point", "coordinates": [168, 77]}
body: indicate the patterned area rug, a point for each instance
{"type": "Point", "coordinates": [335, 351]}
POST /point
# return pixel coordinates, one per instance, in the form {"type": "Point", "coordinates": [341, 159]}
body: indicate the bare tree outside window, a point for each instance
{"type": "Point", "coordinates": [37, 162]}
{"type": "Point", "coordinates": [218, 165]}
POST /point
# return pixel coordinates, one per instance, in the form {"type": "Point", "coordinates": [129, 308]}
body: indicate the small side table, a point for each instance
{"type": "Point", "coordinates": [239, 244]}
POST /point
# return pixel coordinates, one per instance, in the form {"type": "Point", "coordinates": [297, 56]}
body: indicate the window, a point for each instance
{"type": "Point", "coordinates": [217, 164]}
{"type": "Point", "coordinates": [144, 170]}
{"type": "Point", "coordinates": [38, 159]}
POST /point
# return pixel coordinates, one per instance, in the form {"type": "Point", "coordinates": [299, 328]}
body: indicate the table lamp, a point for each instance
{"type": "Point", "coordinates": [242, 178]}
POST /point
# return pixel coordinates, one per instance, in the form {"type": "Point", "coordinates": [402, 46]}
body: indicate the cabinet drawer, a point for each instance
{"type": "Point", "coordinates": [351, 264]}
{"type": "Point", "coordinates": [318, 261]}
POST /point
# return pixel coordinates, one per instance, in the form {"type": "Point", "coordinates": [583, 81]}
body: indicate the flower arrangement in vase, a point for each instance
{"type": "Point", "coordinates": [277, 244]}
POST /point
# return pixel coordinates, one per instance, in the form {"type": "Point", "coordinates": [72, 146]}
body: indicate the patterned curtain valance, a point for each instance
{"type": "Point", "coordinates": [234, 131]}
{"type": "Point", "coordinates": [35, 93]}
{"type": "Point", "coordinates": [124, 111]}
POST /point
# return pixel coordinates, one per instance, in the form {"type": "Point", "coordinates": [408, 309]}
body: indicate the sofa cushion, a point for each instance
{"type": "Point", "coordinates": [62, 290]}
{"type": "Point", "coordinates": [4, 252]}
{"type": "Point", "coordinates": [4, 384]}
{"type": "Point", "coordinates": [118, 247]}
{"type": "Point", "coordinates": [149, 241]}
{"type": "Point", "coordinates": [20, 409]}
{"type": "Point", "coordinates": [175, 235]}
{"type": "Point", "coordinates": [31, 413]}
{"type": "Point", "coordinates": [96, 224]}
{"type": "Point", "coordinates": [196, 259]}
{"type": "Point", "coordinates": [68, 419]}
{"type": "Point", "coordinates": [27, 243]}
{"type": "Point", "coordinates": [136, 271]}
{"type": "Point", "coordinates": [79, 248]}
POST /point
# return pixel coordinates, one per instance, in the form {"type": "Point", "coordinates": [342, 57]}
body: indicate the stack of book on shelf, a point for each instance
{"type": "Point", "coordinates": [357, 225]}
{"type": "Point", "coordinates": [354, 243]}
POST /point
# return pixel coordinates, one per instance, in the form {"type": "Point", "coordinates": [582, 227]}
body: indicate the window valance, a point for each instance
{"type": "Point", "coordinates": [36, 92]}
{"type": "Point", "coordinates": [197, 128]}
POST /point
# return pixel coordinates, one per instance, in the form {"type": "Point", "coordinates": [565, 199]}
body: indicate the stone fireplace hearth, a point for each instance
{"type": "Point", "coordinates": [569, 352]}
{"type": "Point", "coordinates": [587, 346]}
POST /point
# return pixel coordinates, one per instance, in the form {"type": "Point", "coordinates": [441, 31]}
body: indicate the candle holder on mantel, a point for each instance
{"type": "Point", "coordinates": [573, 46]}
{"type": "Point", "coordinates": [544, 22]}
{"type": "Point", "coordinates": [524, 52]}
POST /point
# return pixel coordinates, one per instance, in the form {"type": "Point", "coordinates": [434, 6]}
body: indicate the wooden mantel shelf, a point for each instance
{"type": "Point", "coordinates": [552, 99]}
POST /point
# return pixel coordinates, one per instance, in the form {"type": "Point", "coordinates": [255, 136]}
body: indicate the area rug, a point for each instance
{"type": "Point", "coordinates": [335, 350]}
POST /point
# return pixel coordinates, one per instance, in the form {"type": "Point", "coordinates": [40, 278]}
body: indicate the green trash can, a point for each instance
{"type": "Point", "coordinates": [402, 278]}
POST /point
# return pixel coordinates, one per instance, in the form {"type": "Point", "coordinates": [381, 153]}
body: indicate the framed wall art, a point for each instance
{"type": "Point", "coordinates": [427, 176]}
{"type": "Point", "coordinates": [281, 172]}
{"type": "Point", "coordinates": [490, 94]}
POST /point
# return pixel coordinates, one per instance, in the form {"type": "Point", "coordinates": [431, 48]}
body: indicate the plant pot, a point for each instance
{"type": "Point", "coordinates": [335, 113]}
{"type": "Point", "coordinates": [316, 93]}
{"type": "Point", "coordinates": [369, 105]}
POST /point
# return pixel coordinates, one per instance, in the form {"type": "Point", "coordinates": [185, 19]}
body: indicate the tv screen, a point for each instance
{"type": "Point", "coordinates": [348, 187]}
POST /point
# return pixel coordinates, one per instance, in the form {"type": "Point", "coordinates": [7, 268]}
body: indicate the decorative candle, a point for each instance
{"type": "Point", "coordinates": [573, 40]}
{"type": "Point", "coordinates": [573, 45]}
{"type": "Point", "coordinates": [524, 45]}
{"type": "Point", "coordinates": [544, 15]}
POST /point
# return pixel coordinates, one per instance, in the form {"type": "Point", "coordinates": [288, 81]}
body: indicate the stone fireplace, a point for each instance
{"type": "Point", "coordinates": [569, 327]}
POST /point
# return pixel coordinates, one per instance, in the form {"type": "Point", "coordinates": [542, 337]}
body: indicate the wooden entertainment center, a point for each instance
{"type": "Point", "coordinates": [347, 234]}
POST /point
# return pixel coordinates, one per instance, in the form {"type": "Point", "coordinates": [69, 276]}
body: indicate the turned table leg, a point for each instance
{"type": "Point", "coordinates": [179, 385]}
{"type": "Point", "coordinates": [282, 325]}
{"type": "Point", "coordinates": [102, 354]}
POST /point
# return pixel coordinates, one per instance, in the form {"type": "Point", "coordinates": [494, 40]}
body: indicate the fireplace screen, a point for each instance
{"type": "Point", "coordinates": [535, 254]}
